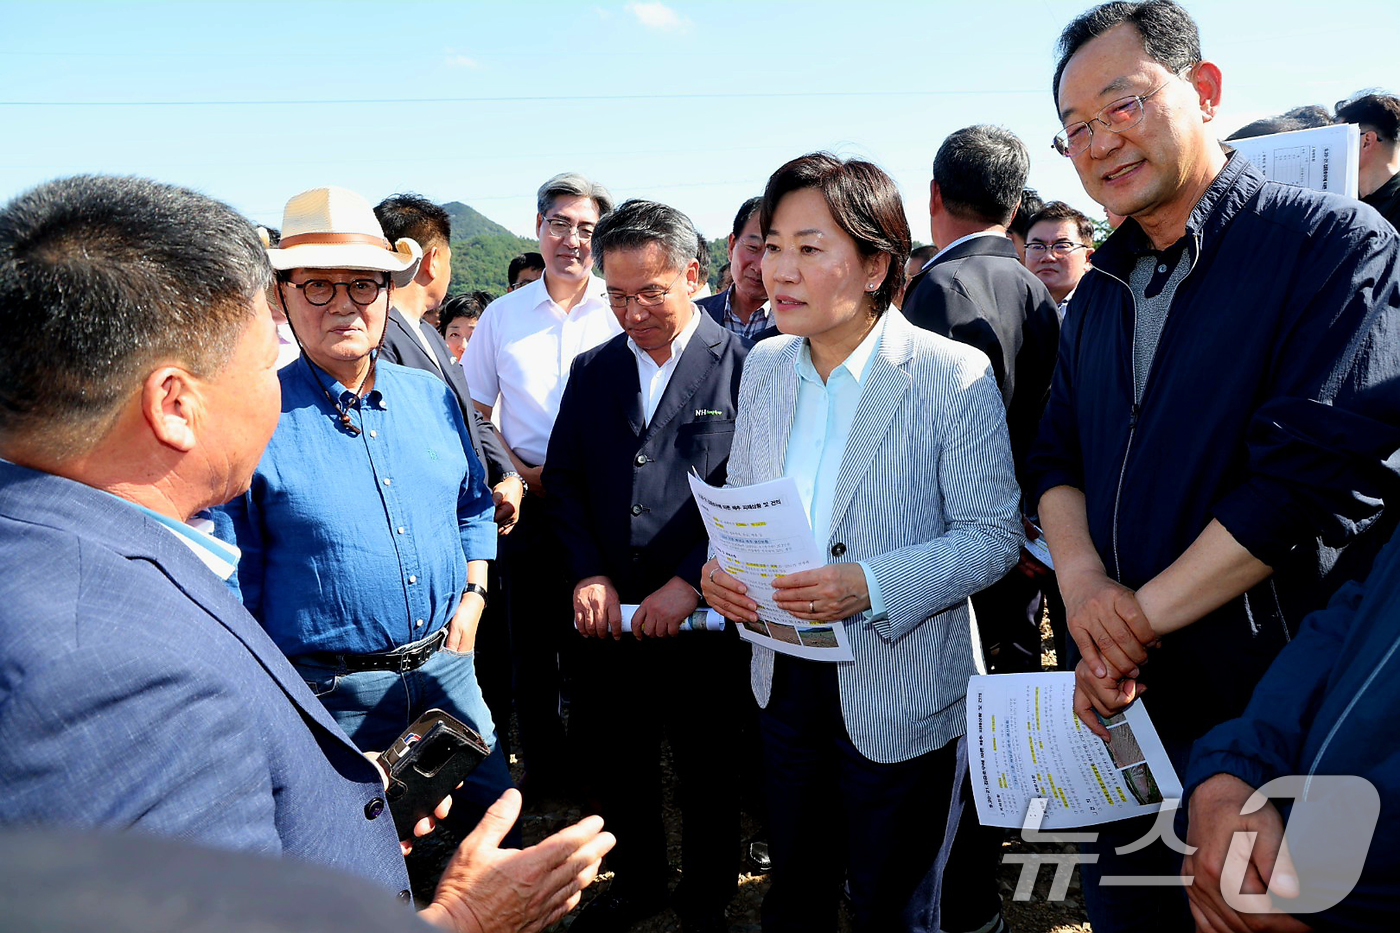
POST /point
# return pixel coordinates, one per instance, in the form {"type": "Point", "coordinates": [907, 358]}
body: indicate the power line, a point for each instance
{"type": "Point", "coordinates": [503, 100]}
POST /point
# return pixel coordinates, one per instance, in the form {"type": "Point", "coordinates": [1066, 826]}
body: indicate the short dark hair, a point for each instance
{"type": "Point", "coordinates": [1169, 34]}
{"type": "Point", "coordinates": [981, 171]}
{"type": "Point", "coordinates": [1059, 210]}
{"type": "Point", "coordinates": [702, 256]}
{"type": "Point", "coordinates": [522, 262]}
{"type": "Point", "coordinates": [636, 224]}
{"type": "Point", "coordinates": [414, 216]}
{"type": "Point", "coordinates": [1031, 204]}
{"type": "Point", "coordinates": [102, 278]}
{"type": "Point", "coordinates": [1379, 111]}
{"type": "Point", "coordinates": [863, 201]}
{"type": "Point", "coordinates": [924, 253]}
{"type": "Point", "coordinates": [746, 210]}
{"type": "Point", "coordinates": [1299, 118]}
{"type": "Point", "coordinates": [459, 306]}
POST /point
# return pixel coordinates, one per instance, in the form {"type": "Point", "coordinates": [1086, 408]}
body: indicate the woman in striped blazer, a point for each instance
{"type": "Point", "coordinates": [897, 440]}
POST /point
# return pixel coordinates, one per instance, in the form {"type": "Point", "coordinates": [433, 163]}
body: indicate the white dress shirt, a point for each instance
{"type": "Point", "coordinates": [520, 355]}
{"type": "Point", "coordinates": [653, 378]}
{"type": "Point", "coordinates": [821, 425]}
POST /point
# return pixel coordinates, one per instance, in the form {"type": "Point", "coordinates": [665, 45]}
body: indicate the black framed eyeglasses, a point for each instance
{"type": "Point", "coordinates": [1059, 249]}
{"type": "Point", "coordinates": [321, 292]}
{"type": "Point", "coordinates": [562, 229]}
{"type": "Point", "coordinates": [1117, 117]}
{"type": "Point", "coordinates": [646, 297]}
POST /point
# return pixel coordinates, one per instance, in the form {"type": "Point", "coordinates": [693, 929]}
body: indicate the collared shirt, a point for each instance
{"type": "Point", "coordinates": [758, 322]}
{"type": "Point", "coordinates": [963, 239]}
{"type": "Point", "coordinates": [653, 378]}
{"type": "Point", "coordinates": [197, 535]}
{"type": "Point", "coordinates": [287, 347]}
{"type": "Point", "coordinates": [821, 425]}
{"type": "Point", "coordinates": [358, 544]}
{"type": "Point", "coordinates": [520, 354]}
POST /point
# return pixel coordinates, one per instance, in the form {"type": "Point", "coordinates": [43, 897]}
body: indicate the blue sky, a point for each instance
{"type": "Point", "coordinates": [692, 103]}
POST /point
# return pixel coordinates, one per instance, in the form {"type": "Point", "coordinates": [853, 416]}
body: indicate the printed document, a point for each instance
{"type": "Point", "coordinates": [760, 532]}
{"type": "Point", "coordinates": [1024, 741]}
{"type": "Point", "coordinates": [1324, 157]}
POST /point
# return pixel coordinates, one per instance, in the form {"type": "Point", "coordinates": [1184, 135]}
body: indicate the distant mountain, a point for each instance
{"type": "Point", "coordinates": [468, 223]}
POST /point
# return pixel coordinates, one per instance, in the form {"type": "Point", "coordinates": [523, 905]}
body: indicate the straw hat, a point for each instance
{"type": "Point", "coordinates": [334, 228]}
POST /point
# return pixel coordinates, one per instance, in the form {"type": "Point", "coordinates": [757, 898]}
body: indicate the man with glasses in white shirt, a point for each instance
{"type": "Point", "coordinates": [519, 358]}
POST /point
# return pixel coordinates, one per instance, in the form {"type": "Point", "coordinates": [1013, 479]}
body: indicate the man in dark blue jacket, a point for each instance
{"type": "Point", "coordinates": [1327, 706]}
{"type": "Point", "coordinates": [1224, 419]}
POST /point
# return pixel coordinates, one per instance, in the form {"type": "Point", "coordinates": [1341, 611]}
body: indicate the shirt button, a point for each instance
{"type": "Point", "coordinates": [388, 482]}
{"type": "Point", "coordinates": [636, 510]}
{"type": "Point", "coordinates": [404, 896]}
{"type": "Point", "coordinates": [1162, 268]}
{"type": "Point", "coordinates": [641, 459]}
{"type": "Point", "coordinates": [412, 578]}
{"type": "Point", "coordinates": [401, 529]}
{"type": "Point", "coordinates": [374, 808]}
{"type": "Point", "coordinates": [374, 434]}
{"type": "Point", "coordinates": [838, 549]}
{"type": "Point", "coordinates": [419, 623]}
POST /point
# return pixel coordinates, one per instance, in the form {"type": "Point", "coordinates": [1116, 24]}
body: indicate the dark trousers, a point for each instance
{"type": "Point", "coordinates": [834, 814]}
{"type": "Point", "coordinates": [627, 694]}
{"type": "Point", "coordinates": [537, 608]}
{"type": "Point", "coordinates": [1120, 908]}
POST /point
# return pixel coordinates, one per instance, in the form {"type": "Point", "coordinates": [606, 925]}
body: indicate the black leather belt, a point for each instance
{"type": "Point", "coordinates": [401, 660]}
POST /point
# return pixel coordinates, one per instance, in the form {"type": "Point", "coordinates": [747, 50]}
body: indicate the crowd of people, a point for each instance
{"type": "Point", "coordinates": [217, 609]}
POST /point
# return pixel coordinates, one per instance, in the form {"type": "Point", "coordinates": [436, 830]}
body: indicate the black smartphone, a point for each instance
{"type": "Point", "coordinates": [426, 763]}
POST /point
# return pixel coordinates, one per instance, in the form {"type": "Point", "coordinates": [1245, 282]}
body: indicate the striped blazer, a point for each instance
{"type": "Point", "coordinates": [927, 496]}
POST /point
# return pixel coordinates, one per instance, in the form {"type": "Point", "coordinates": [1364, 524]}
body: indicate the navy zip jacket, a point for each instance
{"type": "Point", "coordinates": [1273, 405]}
{"type": "Point", "coordinates": [1327, 706]}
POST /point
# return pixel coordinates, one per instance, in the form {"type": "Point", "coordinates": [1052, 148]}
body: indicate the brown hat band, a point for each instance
{"type": "Point", "coordinates": [333, 239]}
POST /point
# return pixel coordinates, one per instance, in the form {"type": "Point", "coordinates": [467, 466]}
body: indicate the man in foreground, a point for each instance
{"type": "Point", "coordinates": [138, 387]}
{"type": "Point", "coordinates": [1221, 433]}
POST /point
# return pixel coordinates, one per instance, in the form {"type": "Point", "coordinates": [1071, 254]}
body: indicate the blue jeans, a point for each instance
{"type": "Point", "coordinates": [374, 707]}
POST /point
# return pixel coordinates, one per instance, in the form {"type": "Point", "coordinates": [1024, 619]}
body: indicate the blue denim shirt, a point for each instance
{"type": "Point", "coordinates": [359, 544]}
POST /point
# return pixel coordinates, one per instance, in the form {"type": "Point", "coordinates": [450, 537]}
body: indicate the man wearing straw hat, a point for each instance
{"type": "Point", "coordinates": [367, 529]}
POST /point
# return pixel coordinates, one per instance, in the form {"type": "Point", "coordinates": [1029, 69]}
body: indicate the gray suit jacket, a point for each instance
{"type": "Point", "coordinates": [927, 497]}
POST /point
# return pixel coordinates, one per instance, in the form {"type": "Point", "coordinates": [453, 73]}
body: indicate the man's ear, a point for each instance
{"type": "Point", "coordinates": [1207, 81]}
{"type": "Point", "coordinates": [172, 406]}
{"type": "Point", "coordinates": [428, 266]}
{"type": "Point", "coordinates": [935, 199]}
{"type": "Point", "coordinates": [692, 276]}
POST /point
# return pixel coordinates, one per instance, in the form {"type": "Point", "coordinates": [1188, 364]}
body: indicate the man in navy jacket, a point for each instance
{"type": "Point", "coordinates": [1326, 706]}
{"type": "Point", "coordinates": [640, 413]}
{"type": "Point", "coordinates": [138, 386]}
{"type": "Point", "coordinates": [1223, 423]}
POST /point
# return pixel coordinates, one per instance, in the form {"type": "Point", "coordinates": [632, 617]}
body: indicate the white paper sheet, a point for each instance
{"type": "Point", "coordinates": [1324, 157]}
{"type": "Point", "coordinates": [760, 532]}
{"type": "Point", "coordinates": [1024, 741]}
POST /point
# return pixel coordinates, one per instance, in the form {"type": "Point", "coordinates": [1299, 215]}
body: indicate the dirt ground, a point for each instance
{"type": "Point", "coordinates": [1036, 915]}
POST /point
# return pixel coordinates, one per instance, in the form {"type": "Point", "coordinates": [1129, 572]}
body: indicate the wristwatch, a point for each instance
{"type": "Point", "coordinates": [478, 589]}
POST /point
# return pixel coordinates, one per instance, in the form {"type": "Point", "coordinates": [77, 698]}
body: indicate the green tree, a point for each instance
{"type": "Point", "coordinates": [481, 263]}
